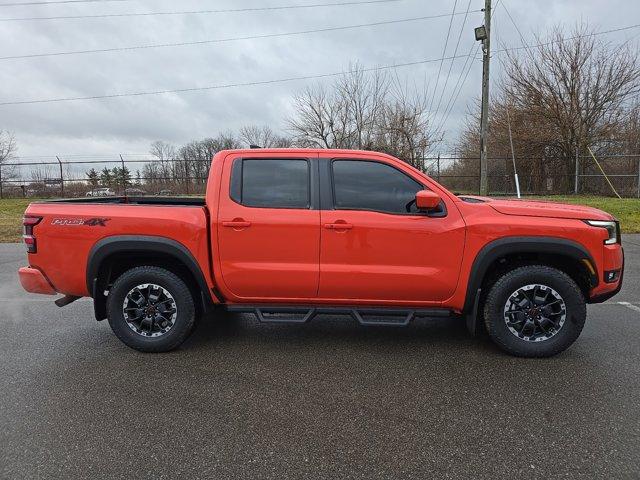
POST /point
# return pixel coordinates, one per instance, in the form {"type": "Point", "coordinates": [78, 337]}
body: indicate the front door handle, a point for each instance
{"type": "Point", "coordinates": [236, 224]}
{"type": "Point", "coordinates": [338, 226]}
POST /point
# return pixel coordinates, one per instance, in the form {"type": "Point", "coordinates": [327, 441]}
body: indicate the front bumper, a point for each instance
{"type": "Point", "coordinates": [604, 296]}
{"type": "Point", "coordinates": [33, 281]}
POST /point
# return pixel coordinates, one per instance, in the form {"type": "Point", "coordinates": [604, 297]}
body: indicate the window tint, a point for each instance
{"type": "Point", "coordinates": [362, 185]}
{"type": "Point", "coordinates": [273, 183]}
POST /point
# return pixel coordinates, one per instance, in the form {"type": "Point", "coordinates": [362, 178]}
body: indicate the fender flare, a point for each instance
{"type": "Point", "coordinates": [140, 243]}
{"type": "Point", "coordinates": [513, 245]}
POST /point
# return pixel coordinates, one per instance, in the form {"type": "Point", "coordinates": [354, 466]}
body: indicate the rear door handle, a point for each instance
{"type": "Point", "coordinates": [236, 224]}
{"type": "Point", "coordinates": [338, 226]}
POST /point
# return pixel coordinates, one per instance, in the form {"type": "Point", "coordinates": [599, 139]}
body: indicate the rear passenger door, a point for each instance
{"type": "Point", "coordinates": [269, 228]}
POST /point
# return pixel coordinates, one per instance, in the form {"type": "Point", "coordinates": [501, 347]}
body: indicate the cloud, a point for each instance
{"type": "Point", "coordinates": [129, 124]}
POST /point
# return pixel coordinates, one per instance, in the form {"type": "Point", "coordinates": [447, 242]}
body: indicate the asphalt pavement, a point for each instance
{"type": "Point", "coordinates": [326, 400]}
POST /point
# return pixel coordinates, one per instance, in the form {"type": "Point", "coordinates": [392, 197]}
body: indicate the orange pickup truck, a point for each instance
{"type": "Point", "coordinates": [287, 234]}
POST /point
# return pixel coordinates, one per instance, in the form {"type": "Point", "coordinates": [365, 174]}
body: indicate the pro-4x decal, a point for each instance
{"type": "Point", "coordinates": [90, 222]}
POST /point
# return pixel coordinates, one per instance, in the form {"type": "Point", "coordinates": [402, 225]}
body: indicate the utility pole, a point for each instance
{"type": "Point", "coordinates": [484, 34]}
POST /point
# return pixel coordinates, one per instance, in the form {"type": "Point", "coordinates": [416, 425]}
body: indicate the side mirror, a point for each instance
{"type": "Point", "coordinates": [427, 200]}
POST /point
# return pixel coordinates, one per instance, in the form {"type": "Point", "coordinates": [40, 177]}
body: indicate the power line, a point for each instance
{"type": "Point", "coordinates": [582, 35]}
{"type": "Point", "coordinates": [455, 52]}
{"type": "Point", "coordinates": [283, 80]}
{"type": "Point", "coordinates": [223, 40]}
{"type": "Point", "coordinates": [15, 4]}
{"type": "Point", "coordinates": [222, 86]}
{"type": "Point", "coordinates": [522, 40]}
{"type": "Point", "coordinates": [444, 52]}
{"type": "Point", "coordinates": [457, 88]}
{"type": "Point", "coordinates": [196, 12]}
{"type": "Point", "coordinates": [504, 7]}
{"type": "Point", "coordinates": [456, 93]}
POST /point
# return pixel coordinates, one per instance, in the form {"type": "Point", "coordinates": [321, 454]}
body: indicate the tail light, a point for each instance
{"type": "Point", "coordinates": [28, 222]}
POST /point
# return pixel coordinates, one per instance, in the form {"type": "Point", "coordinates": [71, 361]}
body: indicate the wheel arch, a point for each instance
{"type": "Point", "coordinates": [566, 255]}
{"type": "Point", "coordinates": [111, 256]}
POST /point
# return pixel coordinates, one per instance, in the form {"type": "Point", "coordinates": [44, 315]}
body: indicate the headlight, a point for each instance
{"type": "Point", "coordinates": [612, 229]}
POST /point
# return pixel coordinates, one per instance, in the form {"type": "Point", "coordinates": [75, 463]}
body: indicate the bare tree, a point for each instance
{"type": "Point", "coordinates": [630, 137]}
{"type": "Point", "coordinates": [8, 149]}
{"type": "Point", "coordinates": [40, 173]}
{"type": "Point", "coordinates": [38, 176]}
{"type": "Point", "coordinates": [264, 136]}
{"type": "Point", "coordinates": [575, 88]}
{"type": "Point", "coordinates": [342, 116]}
{"type": "Point", "coordinates": [362, 110]}
{"type": "Point", "coordinates": [402, 128]}
{"type": "Point", "coordinates": [162, 150]}
{"type": "Point", "coordinates": [165, 154]}
{"type": "Point", "coordinates": [8, 146]}
{"type": "Point", "coordinates": [569, 93]}
{"type": "Point", "coordinates": [194, 158]}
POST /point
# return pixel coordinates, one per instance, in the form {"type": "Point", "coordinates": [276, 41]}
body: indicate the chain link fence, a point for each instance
{"type": "Point", "coordinates": [125, 174]}
{"type": "Point", "coordinates": [142, 174]}
{"type": "Point", "coordinates": [540, 176]}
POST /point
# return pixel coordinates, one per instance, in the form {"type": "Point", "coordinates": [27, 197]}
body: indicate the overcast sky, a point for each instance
{"type": "Point", "coordinates": [130, 124]}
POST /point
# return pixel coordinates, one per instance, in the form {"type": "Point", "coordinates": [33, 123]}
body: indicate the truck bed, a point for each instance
{"type": "Point", "coordinates": [69, 229]}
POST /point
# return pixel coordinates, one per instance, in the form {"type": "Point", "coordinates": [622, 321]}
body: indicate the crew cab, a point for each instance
{"type": "Point", "coordinates": [288, 234]}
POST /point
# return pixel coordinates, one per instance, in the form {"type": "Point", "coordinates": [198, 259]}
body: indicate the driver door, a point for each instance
{"type": "Point", "coordinates": [376, 246]}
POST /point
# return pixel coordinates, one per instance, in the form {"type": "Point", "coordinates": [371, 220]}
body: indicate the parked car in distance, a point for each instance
{"type": "Point", "coordinates": [164, 193]}
{"type": "Point", "coordinates": [101, 192]}
{"type": "Point", "coordinates": [287, 234]}
{"type": "Point", "coordinates": [136, 192]}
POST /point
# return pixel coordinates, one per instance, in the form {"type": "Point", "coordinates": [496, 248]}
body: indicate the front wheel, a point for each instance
{"type": "Point", "coordinates": [535, 311]}
{"type": "Point", "coordinates": [150, 309]}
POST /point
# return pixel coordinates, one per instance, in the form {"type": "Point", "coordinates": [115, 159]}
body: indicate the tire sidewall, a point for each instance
{"type": "Point", "coordinates": [181, 294]}
{"type": "Point", "coordinates": [547, 276]}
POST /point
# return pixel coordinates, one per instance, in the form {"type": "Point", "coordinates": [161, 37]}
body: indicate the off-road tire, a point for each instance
{"type": "Point", "coordinates": [502, 289]}
{"type": "Point", "coordinates": [185, 315]}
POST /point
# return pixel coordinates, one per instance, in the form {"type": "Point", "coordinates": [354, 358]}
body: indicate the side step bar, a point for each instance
{"type": "Point", "coordinates": [66, 300]}
{"type": "Point", "coordinates": [363, 315]}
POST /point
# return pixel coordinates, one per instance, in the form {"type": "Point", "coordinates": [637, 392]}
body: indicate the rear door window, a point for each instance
{"type": "Point", "coordinates": [271, 183]}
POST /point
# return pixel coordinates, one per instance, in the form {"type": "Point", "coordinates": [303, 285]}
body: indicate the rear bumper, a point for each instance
{"type": "Point", "coordinates": [33, 281]}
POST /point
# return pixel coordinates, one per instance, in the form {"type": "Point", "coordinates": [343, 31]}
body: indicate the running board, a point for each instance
{"type": "Point", "coordinates": [363, 315]}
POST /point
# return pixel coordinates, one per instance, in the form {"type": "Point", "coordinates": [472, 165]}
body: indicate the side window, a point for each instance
{"type": "Point", "coordinates": [366, 185]}
{"type": "Point", "coordinates": [271, 183]}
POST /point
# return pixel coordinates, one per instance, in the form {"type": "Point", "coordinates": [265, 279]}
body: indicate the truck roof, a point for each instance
{"type": "Point", "coordinates": [329, 151]}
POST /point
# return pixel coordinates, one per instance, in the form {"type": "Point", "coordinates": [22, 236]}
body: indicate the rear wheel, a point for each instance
{"type": "Point", "coordinates": [534, 311]}
{"type": "Point", "coordinates": [150, 309]}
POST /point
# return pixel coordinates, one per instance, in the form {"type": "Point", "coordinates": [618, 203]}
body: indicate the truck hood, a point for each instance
{"type": "Point", "coordinates": [540, 208]}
